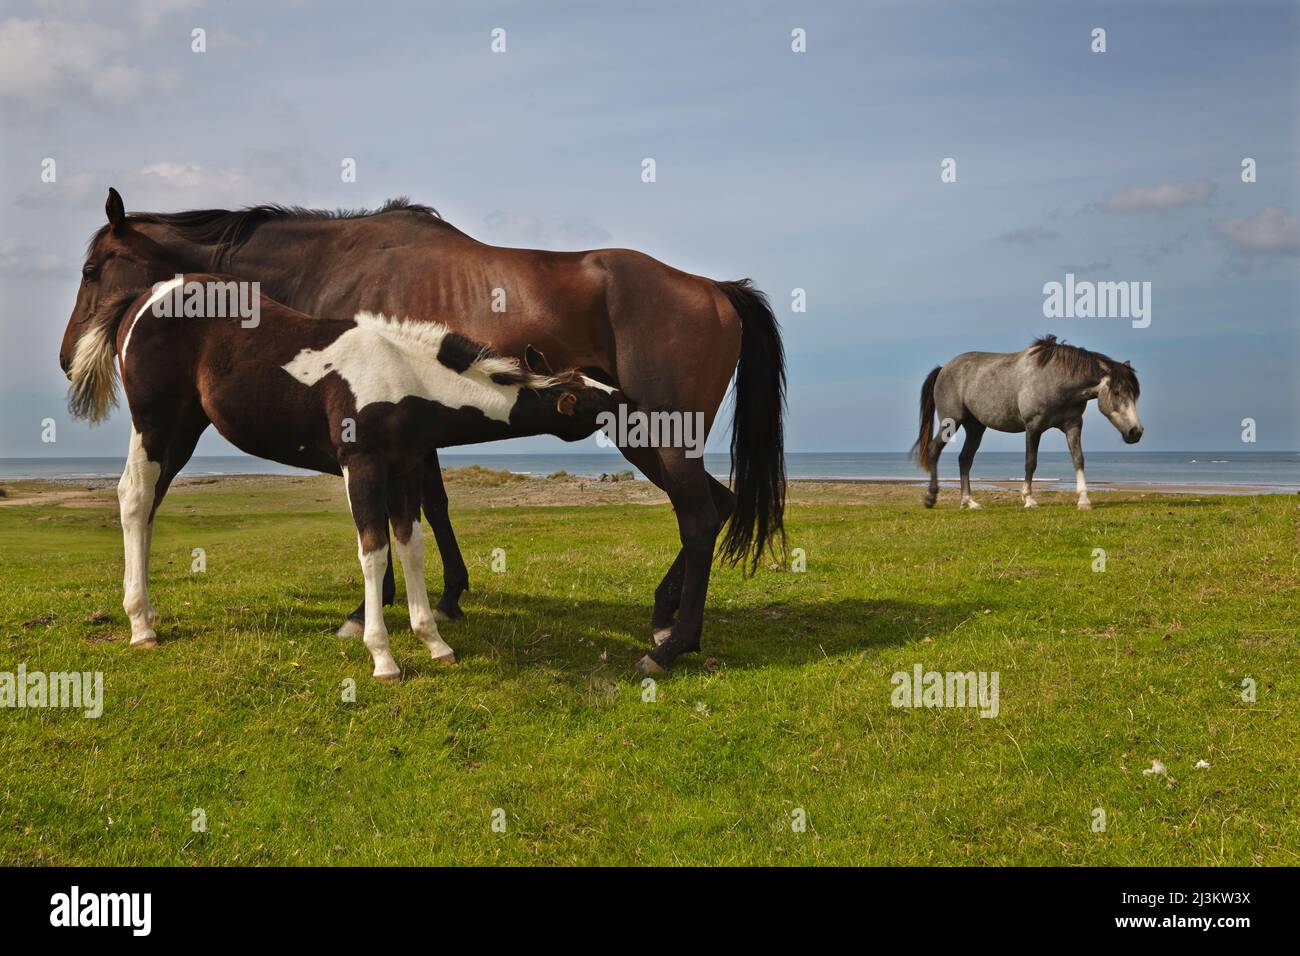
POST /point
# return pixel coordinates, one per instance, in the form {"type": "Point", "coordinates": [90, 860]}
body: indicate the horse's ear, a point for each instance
{"type": "Point", "coordinates": [115, 209]}
{"type": "Point", "coordinates": [1129, 364]}
{"type": "Point", "coordinates": [536, 362]}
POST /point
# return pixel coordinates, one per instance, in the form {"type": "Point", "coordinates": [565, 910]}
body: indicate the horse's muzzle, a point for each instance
{"type": "Point", "coordinates": [1133, 436]}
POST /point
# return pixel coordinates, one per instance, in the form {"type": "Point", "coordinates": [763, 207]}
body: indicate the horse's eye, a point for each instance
{"type": "Point", "coordinates": [89, 271]}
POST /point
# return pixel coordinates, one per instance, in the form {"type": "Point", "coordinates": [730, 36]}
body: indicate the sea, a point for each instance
{"type": "Point", "coordinates": [1269, 470]}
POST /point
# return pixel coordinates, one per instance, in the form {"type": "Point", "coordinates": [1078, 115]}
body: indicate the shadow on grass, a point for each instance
{"type": "Point", "coordinates": [567, 636]}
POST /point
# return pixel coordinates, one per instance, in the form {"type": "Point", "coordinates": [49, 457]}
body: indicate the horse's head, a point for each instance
{"type": "Point", "coordinates": [1117, 398]}
{"type": "Point", "coordinates": [121, 263]}
{"type": "Point", "coordinates": [567, 403]}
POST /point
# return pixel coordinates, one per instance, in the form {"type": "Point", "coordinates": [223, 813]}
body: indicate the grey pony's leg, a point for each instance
{"type": "Point", "coordinates": [974, 435]}
{"type": "Point", "coordinates": [1032, 435]}
{"type": "Point", "coordinates": [1074, 438]}
{"type": "Point", "coordinates": [937, 445]}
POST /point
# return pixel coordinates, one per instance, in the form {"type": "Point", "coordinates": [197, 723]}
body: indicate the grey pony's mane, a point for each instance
{"type": "Point", "coordinates": [1080, 361]}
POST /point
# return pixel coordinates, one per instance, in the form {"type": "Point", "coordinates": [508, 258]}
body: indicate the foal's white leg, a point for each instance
{"type": "Point", "coordinates": [423, 623]}
{"type": "Point", "coordinates": [135, 493]}
{"type": "Point", "coordinates": [375, 636]}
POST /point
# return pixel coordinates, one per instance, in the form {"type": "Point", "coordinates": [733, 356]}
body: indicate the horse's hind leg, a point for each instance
{"type": "Point", "coordinates": [668, 596]}
{"type": "Point", "coordinates": [974, 435]}
{"type": "Point", "coordinates": [698, 523]}
{"type": "Point", "coordinates": [366, 482]}
{"type": "Point", "coordinates": [1032, 436]}
{"type": "Point", "coordinates": [404, 513]}
{"type": "Point", "coordinates": [947, 429]}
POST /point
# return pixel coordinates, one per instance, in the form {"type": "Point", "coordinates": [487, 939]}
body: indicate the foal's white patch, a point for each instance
{"type": "Point", "coordinates": [387, 360]}
{"type": "Point", "coordinates": [159, 292]}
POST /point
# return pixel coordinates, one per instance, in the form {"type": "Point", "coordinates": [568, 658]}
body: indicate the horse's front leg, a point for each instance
{"type": "Point", "coordinates": [1074, 438]}
{"type": "Point", "coordinates": [135, 496]}
{"type": "Point", "coordinates": [1032, 436]}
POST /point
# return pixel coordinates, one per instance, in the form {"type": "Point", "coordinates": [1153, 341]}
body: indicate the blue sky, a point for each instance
{"type": "Point", "coordinates": [817, 171]}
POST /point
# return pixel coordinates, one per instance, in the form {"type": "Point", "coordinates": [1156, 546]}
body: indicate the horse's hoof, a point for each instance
{"type": "Point", "coordinates": [970, 504]}
{"type": "Point", "coordinates": [662, 634]}
{"type": "Point", "coordinates": [446, 659]}
{"type": "Point", "coordinates": [1031, 503]}
{"type": "Point", "coordinates": [453, 613]}
{"type": "Point", "coordinates": [929, 502]}
{"type": "Point", "coordinates": [350, 628]}
{"type": "Point", "coordinates": [148, 641]}
{"type": "Point", "coordinates": [1085, 505]}
{"type": "Point", "coordinates": [389, 678]}
{"type": "Point", "coordinates": [648, 665]}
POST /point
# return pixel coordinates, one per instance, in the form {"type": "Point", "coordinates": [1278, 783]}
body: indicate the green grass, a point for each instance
{"type": "Point", "coordinates": [240, 711]}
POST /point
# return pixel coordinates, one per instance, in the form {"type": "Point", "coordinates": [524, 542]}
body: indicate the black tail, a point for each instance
{"type": "Point", "coordinates": [757, 438]}
{"type": "Point", "coordinates": [924, 447]}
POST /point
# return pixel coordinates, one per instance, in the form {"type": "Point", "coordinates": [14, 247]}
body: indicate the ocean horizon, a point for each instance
{"type": "Point", "coordinates": [1278, 470]}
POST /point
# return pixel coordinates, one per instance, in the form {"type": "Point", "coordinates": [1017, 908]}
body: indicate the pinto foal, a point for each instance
{"type": "Point", "coordinates": [368, 398]}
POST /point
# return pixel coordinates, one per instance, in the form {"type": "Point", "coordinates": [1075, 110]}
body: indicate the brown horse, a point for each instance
{"type": "Point", "coordinates": [668, 340]}
{"type": "Point", "coordinates": [365, 398]}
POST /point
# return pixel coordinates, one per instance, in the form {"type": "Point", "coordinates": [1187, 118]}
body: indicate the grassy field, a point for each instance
{"type": "Point", "coordinates": [543, 723]}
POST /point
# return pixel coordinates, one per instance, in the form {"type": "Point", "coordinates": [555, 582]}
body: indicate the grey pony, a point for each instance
{"type": "Point", "coordinates": [1047, 385]}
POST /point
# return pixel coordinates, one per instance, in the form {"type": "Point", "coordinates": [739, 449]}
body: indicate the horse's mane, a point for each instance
{"type": "Point", "coordinates": [1080, 361]}
{"type": "Point", "coordinates": [228, 229]}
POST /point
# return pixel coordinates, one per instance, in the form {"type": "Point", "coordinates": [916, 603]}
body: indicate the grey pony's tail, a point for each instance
{"type": "Point", "coordinates": [923, 450]}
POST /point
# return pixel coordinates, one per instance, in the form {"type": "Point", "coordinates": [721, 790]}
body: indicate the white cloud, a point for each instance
{"type": "Point", "coordinates": [19, 259]}
{"type": "Point", "coordinates": [1029, 235]}
{"type": "Point", "coordinates": [1271, 233]}
{"type": "Point", "coordinates": [48, 63]}
{"type": "Point", "coordinates": [152, 12]}
{"type": "Point", "coordinates": [1160, 196]}
{"type": "Point", "coordinates": [74, 190]}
